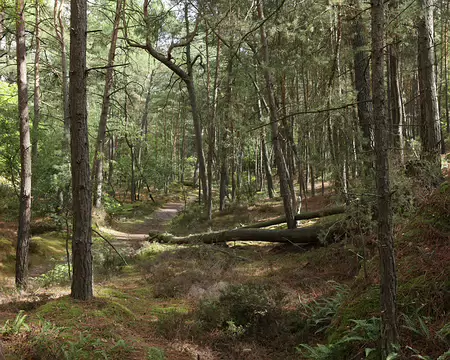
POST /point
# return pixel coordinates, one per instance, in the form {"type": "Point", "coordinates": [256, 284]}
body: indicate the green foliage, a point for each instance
{"type": "Point", "coordinates": [155, 353]}
{"type": "Point", "coordinates": [87, 347]}
{"type": "Point", "coordinates": [44, 341]}
{"type": "Point", "coordinates": [364, 333]}
{"type": "Point", "coordinates": [59, 275]}
{"type": "Point", "coordinates": [318, 314]}
{"type": "Point", "coordinates": [189, 218]}
{"type": "Point", "coordinates": [16, 326]}
{"type": "Point", "coordinates": [246, 309]}
{"type": "Point", "coordinates": [106, 260]}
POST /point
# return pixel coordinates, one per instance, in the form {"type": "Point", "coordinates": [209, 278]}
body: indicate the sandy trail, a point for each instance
{"type": "Point", "coordinates": [157, 222]}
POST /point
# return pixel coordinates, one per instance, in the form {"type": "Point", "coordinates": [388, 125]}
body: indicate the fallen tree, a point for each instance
{"type": "Point", "coordinates": [303, 216]}
{"type": "Point", "coordinates": [308, 236]}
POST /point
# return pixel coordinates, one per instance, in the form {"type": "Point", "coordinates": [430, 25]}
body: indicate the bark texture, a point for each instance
{"type": "Point", "coordinates": [286, 189]}
{"type": "Point", "coordinates": [389, 334]}
{"type": "Point", "coordinates": [362, 77]}
{"type": "Point", "coordinates": [304, 216]}
{"type": "Point", "coordinates": [430, 125]}
{"type": "Point", "coordinates": [101, 135]}
{"type": "Point", "coordinates": [37, 85]}
{"type": "Point", "coordinates": [82, 283]}
{"type": "Point", "coordinates": [23, 233]}
{"type": "Point", "coordinates": [307, 236]}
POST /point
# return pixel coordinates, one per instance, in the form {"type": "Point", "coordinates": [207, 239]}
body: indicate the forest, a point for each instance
{"type": "Point", "coordinates": [194, 179]}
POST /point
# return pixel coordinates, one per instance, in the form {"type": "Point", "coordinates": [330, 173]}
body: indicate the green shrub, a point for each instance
{"type": "Point", "coordinates": [59, 275]}
{"type": "Point", "coordinates": [246, 309]}
{"type": "Point", "coordinates": [155, 353]}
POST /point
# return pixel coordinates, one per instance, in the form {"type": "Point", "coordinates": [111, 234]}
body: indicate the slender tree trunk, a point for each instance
{"type": "Point", "coordinates": [430, 122]}
{"type": "Point", "coordinates": [286, 191]}
{"type": "Point", "coordinates": [60, 31]}
{"type": "Point", "coordinates": [388, 280]}
{"type": "Point", "coordinates": [23, 233]}
{"type": "Point", "coordinates": [99, 155]}
{"type": "Point", "coordinates": [82, 281]}
{"type": "Point", "coordinates": [396, 103]}
{"type": "Point", "coordinates": [362, 78]}
{"type": "Point", "coordinates": [37, 85]}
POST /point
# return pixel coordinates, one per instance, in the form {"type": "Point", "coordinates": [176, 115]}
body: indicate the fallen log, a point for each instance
{"type": "Point", "coordinates": [303, 216]}
{"type": "Point", "coordinates": [309, 236]}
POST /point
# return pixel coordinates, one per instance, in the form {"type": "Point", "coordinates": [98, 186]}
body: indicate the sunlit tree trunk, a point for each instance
{"type": "Point", "coordinates": [82, 280]}
{"type": "Point", "coordinates": [23, 233]}
{"type": "Point", "coordinates": [60, 35]}
{"type": "Point", "coordinates": [101, 135]}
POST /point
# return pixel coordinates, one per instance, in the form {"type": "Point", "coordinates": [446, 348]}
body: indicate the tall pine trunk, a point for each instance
{"type": "Point", "coordinates": [23, 234]}
{"type": "Point", "coordinates": [430, 124]}
{"type": "Point", "coordinates": [82, 282]}
{"type": "Point", "coordinates": [99, 154]}
{"type": "Point", "coordinates": [285, 188]}
{"type": "Point", "coordinates": [388, 277]}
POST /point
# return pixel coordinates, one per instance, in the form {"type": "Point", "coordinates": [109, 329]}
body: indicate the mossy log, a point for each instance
{"type": "Point", "coordinates": [308, 236]}
{"type": "Point", "coordinates": [303, 216]}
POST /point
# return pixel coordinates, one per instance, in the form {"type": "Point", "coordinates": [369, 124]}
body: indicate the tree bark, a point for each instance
{"type": "Point", "coordinates": [388, 277]}
{"type": "Point", "coordinates": [285, 188]}
{"type": "Point", "coordinates": [396, 103]}
{"type": "Point", "coordinates": [82, 280]}
{"type": "Point", "coordinates": [304, 216]}
{"type": "Point", "coordinates": [60, 31]}
{"type": "Point", "coordinates": [430, 122]}
{"type": "Point", "coordinates": [224, 153]}
{"type": "Point", "coordinates": [37, 85]}
{"type": "Point", "coordinates": [362, 78]}
{"type": "Point", "coordinates": [101, 135]}
{"type": "Point", "coordinates": [23, 233]}
{"type": "Point", "coordinates": [307, 236]}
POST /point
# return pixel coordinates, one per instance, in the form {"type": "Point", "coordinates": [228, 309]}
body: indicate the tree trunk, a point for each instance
{"type": "Point", "coordinates": [304, 216]}
{"type": "Point", "coordinates": [285, 189]}
{"type": "Point", "coordinates": [23, 233]}
{"type": "Point", "coordinates": [82, 280]}
{"type": "Point", "coordinates": [306, 236]}
{"type": "Point", "coordinates": [59, 28]}
{"type": "Point", "coordinates": [362, 78]}
{"type": "Point", "coordinates": [224, 153]}
{"type": "Point", "coordinates": [388, 277]}
{"type": "Point", "coordinates": [430, 123]}
{"type": "Point", "coordinates": [396, 103]}
{"type": "Point", "coordinates": [37, 86]}
{"type": "Point", "coordinates": [101, 135]}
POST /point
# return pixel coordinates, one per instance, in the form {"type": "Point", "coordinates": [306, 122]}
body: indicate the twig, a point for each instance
{"type": "Point", "coordinates": [110, 244]}
{"type": "Point", "coordinates": [296, 245]}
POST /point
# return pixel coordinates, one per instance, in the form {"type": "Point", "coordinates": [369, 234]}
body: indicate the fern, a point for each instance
{"type": "Point", "coordinates": [16, 326]}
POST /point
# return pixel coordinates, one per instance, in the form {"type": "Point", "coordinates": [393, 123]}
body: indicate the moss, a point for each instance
{"type": "Point", "coordinates": [114, 311]}
{"type": "Point", "coordinates": [111, 292]}
{"type": "Point", "coordinates": [64, 311]}
{"type": "Point", "coordinates": [48, 245]}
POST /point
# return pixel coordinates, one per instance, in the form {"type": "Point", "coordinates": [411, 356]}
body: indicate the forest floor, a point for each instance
{"type": "Point", "coordinates": [241, 301]}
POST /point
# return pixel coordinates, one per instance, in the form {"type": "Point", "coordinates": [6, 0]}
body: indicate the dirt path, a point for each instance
{"type": "Point", "coordinates": [158, 221]}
